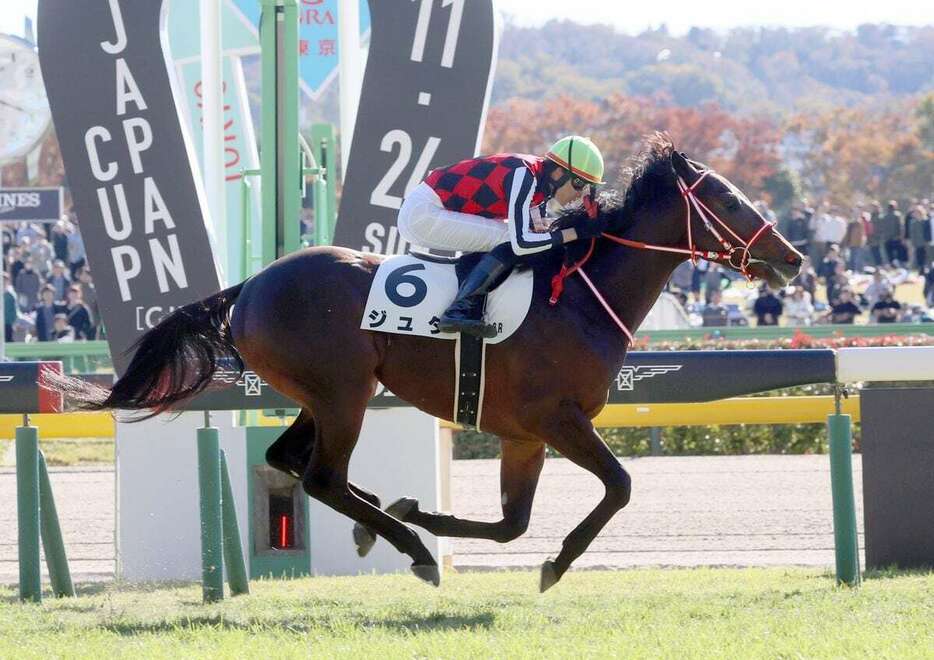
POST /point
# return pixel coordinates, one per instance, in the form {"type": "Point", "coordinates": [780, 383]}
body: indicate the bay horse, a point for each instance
{"type": "Point", "coordinates": [297, 324]}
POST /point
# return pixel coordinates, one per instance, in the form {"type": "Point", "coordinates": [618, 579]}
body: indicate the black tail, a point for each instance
{"type": "Point", "coordinates": [173, 362]}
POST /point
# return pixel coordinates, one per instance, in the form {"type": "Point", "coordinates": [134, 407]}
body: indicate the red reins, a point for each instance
{"type": "Point", "coordinates": [690, 200]}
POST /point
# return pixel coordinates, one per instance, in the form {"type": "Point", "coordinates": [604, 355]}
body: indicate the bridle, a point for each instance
{"type": "Point", "coordinates": [691, 200]}
{"type": "Point", "coordinates": [705, 214]}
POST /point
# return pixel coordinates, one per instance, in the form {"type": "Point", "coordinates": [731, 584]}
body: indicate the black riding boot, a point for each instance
{"type": "Point", "coordinates": [465, 313]}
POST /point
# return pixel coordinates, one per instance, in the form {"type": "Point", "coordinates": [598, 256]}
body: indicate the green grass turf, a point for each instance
{"type": "Point", "coordinates": [699, 613]}
{"type": "Point", "coordinates": [67, 451]}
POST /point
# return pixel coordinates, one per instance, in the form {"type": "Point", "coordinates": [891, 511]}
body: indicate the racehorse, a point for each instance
{"type": "Point", "coordinates": [297, 325]}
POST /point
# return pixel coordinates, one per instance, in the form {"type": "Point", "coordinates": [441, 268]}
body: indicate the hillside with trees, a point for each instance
{"type": "Point", "coordinates": [785, 113]}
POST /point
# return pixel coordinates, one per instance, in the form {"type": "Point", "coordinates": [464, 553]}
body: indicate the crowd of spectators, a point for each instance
{"type": "Point", "coordinates": [853, 265]}
{"type": "Point", "coordinates": [48, 292]}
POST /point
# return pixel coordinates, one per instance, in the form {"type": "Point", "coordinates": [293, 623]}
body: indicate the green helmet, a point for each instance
{"type": "Point", "coordinates": [579, 156]}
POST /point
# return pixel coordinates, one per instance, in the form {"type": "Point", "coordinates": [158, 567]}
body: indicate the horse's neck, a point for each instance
{"type": "Point", "coordinates": [631, 279]}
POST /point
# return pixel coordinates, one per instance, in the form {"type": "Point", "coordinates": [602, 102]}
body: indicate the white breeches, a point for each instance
{"type": "Point", "coordinates": [424, 222]}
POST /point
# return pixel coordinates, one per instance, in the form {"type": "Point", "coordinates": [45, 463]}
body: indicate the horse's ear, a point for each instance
{"type": "Point", "coordinates": [681, 165]}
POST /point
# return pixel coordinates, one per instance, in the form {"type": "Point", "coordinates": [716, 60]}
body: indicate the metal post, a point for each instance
{"type": "Point", "coordinates": [212, 100]}
{"type": "Point", "coordinates": [209, 484]}
{"type": "Point", "coordinates": [322, 222]}
{"type": "Point", "coordinates": [233, 549]}
{"type": "Point", "coordinates": [52, 543]}
{"type": "Point", "coordinates": [348, 51]}
{"type": "Point", "coordinates": [27, 511]}
{"type": "Point", "coordinates": [280, 157]}
{"type": "Point", "coordinates": [846, 543]}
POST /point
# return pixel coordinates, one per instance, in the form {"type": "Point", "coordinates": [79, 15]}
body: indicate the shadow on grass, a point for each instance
{"type": "Point", "coordinates": [433, 622]}
{"type": "Point", "coordinates": [303, 625]}
{"type": "Point", "coordinates": [893, 572]}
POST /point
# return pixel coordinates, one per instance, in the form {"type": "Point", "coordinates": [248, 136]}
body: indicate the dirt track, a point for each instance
{"type": "Point", "coordinates": [726, 511]}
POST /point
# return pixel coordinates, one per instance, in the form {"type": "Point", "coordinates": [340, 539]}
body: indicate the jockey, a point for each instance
{"type": "Point", "coordinates": [500, 202]}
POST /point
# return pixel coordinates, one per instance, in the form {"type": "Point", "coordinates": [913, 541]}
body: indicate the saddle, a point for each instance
{"type": "Point", "coordinates": [408, 295]}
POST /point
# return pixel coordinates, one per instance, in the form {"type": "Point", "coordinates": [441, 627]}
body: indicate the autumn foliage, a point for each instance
{"type": "Point", "coordinates": [844, 154]}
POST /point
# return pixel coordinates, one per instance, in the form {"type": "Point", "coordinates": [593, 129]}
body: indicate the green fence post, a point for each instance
{"type": "Point", "coordinates": [27, 511]}
{"type": "Point", "coordinates": [209, 484]}
{"type": "Point", "coordinates": [846, 543]}
{"type": "Point", "coordinates": [52, 543]}
{"type": "Point", "coordinates": [233, 549]}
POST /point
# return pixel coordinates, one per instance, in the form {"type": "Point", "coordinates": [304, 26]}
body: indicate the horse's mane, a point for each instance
{"type": "Point", "coordinates": [646, 178]}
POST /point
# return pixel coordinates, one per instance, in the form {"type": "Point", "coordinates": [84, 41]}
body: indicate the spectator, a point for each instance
{"type": "Point", "coordinates": [715, 313]}
{"type": "Point", "coordinates": [874, 235]}
{"type": "Point", "coordinates": [880, 284]}
{"type": "Point", "coordinates": [807, 278]}
{"type": "Point", "coordinates": [799, 310]}
{"type": "Point", "coordinates": [76, 255]}
{"type": "Point", "coordinates": [929, 285]}
{"type": "Point", "coordinates": [89, 295]}
{"type": "Point", "coordinates": [60, 239]}
{"type": "Point", "coordinates": [15, 260]}
{"type": "Point", "coordinates": [62, 332]}
{"type": "Point", "coordinates": [10, 311]}
{"type": "Point", "coordinates": [46, 311]}
{"type": "Point", "coordinates": [681, 277]}
{"type": "Point", "coordinates": [767, 308]}
{"type": "Point", "coordinates": [7, 240]}
{"type": "Point", "coordinates": [714, 279]}
{"type": "Point", "coordinates": [887, 309]}
{"type": "Point", "coordinates": [41, 253]}
{"type": "Point", "coordinates": [854, 241]}
{"type": "Point", "coordinates": [844, 310]}
{"type": "Point", "coordinates": [829, 228]}
{"type": "Point", "coordinates": [828, 267]}
{"type": "Point", "coordinates": [79, 317]}
{"type": "Point", "coordinates": [59, 279]}
{"type": "Point", "coordinates": [768, 214]}
{"type": "Point", "coordinates": [918, 226]}
{"type": "Point", "coordinates": [797, 229]}
{"type": "Point", "coordinates": [892, 229]}
{"type": "Point", "coordinates": [27, 285]}
{"type": "Point", "coordinates": [840, 280]}
{"type": "Point", "coordinates": [27, 232]}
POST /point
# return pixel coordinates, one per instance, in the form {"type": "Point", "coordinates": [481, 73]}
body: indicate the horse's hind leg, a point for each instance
{"type": "Point", "coordinates": [325, 479]}
{"type": "Point", "coordinates": [291, 453]}
{"type": "Point", "coordinates": [520, 467]}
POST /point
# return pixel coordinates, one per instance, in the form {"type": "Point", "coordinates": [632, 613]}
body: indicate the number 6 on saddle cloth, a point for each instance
{"type": "Point", "coordinates": [410, 293]}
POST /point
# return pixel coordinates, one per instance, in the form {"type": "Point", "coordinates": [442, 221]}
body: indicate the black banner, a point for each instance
{"type": "Point", "coordinates": [20, 392]}
{"type": "Point", "coordinates": [422, 106]}
{"type": "Point", "coordinates": [127, 162]}
{"type": "Point", "coordinates": [30, 204]}
{"type": "Point", "coordinates": [698, 376]}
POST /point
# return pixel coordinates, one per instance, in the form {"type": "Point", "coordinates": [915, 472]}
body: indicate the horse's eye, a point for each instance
{"type": "Point", "coordinates": [731, 202]}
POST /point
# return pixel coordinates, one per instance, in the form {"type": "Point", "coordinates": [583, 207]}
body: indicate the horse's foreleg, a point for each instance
{"type": "Point", "coordinates": [573, 435]}
{"type": "Point", "coordinates": [519, 470]}
{"type": "Point", "coordinates": [325, 479]}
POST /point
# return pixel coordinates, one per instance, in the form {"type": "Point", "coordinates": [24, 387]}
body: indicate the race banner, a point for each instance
{"type": "Point", "coordinates": [127, 160]}
{"type": "Point", "coordinates": [318, 45]}
{"type": "Point", "coordinates": [423, 104]}
{"type": "Point", "coordinates": [30, 204]}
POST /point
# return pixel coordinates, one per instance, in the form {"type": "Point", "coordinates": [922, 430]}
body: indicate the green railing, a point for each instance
{"type": "Point", "coordinates": [80, 357]}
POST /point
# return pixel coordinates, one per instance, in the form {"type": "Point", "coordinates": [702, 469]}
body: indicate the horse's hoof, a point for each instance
{"type": "Point", "coordinates": [549, 577]}
{"type": "Point", "coordinates": [364, 539]}
{"type": "Point", "coordinates": [401, 507]}
{"type": "Point", "coordinates": [428, 573]}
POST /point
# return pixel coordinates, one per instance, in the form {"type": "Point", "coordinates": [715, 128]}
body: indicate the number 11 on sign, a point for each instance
{"type": "Point", "coordinates": [450, 39]}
